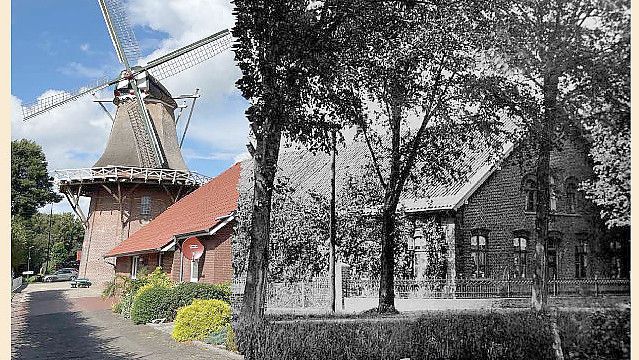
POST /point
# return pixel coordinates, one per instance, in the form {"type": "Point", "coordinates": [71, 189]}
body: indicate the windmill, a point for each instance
{"type": "Point", "coordinates": [141, 171]}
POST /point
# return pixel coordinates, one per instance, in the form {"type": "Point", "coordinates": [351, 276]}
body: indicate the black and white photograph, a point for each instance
{"type": "Point", "coordinates": [320, 179]}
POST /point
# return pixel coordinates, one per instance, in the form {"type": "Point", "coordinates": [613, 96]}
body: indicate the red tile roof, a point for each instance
{"type": "Point", "coordinates": [199, 211]}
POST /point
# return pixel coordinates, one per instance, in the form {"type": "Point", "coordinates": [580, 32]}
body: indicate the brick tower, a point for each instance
{"type": "Point", "coordinates": [127, 188]}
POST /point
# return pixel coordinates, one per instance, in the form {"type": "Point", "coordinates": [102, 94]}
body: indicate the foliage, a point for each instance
{"type": "Point", "coordinates": [158, 278]}
{"type": "Point", "coordinates": [66, 231]}
{"type": "Point", "coordinates": [230, 343]}
{"type": "Point", "coordinates": [276, 48]}
{"type": "Point", "coordinates": [200, 319]}
{"type": "Point", "coordinates": [31, 185]}
{"type": "Point", "coordinates": [610, 152]}
{"type": "Point", "coordinates": [571, 57]}
{"type": "Point", "coordinates": [599, 335]}
{"type": "Point", "coordinates": [151, 302]}
{"type": "Point", "coordinates": [183, 294]}
{"type": "Point", "coordinates": [126, 299]}
{"type": "Point", "coordinates": [438, 335]}
{"type": "Point", "coordinates": [59, 255]}
{"type": "Point", "coordinates": [116, 286]}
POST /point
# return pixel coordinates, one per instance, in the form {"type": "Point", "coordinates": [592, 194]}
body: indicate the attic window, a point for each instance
{"type": "Point", "coordinates": [145, 206]}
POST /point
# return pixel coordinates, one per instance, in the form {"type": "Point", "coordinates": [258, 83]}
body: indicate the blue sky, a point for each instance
{"type": "Point", "coordinates": [64, 45]}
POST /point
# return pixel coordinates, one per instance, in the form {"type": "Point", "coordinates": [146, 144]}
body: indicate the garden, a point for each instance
{"type": "Point", "coordinates": [199, 311]}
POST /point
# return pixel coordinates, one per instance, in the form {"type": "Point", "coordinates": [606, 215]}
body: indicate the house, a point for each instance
{"type": "Point", "coordinates": [483, 223]}
{"type": "Point", "coordinates": [206, 215]}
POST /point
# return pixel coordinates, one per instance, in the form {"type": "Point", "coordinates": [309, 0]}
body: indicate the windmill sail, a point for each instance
{"type": "Point", "coordinates": [120, 32]}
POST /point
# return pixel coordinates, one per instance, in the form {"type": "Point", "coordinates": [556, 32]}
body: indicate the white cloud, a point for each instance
{"type": "Point", "coordinates": [79, 70]}
{"type": "Point", "coordinates": [74, 136]}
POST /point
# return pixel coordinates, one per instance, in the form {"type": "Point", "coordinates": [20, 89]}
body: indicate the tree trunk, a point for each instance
{"type": "Point", "coordinates": [333, 228]}
{"type": "Point", "coordinates": [391, 199]}
{"type": "Point", "coordinates": [387, 273]}
{"type": "Point", "coordinates": [265, 164]}
{"type": "Point", "coordinates": [547, 129]}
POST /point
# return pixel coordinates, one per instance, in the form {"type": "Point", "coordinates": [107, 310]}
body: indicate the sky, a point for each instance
{"type": "Point", "coordinates": [64, 45]}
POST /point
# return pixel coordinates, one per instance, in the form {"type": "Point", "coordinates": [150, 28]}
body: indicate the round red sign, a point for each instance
{"type": "Point", "coordinates": [192, 248]}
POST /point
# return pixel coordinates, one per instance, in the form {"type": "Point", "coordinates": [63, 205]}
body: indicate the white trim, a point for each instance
{"type": "Point", "coordinates": [196, 264]}
{"type": "Point", "coordinates": [135, 260]}
{"type": "Point", "coordinates": [169, 247]}
{"type": "Point", "coordinates": [219, 226]}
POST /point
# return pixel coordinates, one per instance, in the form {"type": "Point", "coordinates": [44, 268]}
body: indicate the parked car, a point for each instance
{"type": "Point", "coordinates": [64, 274]}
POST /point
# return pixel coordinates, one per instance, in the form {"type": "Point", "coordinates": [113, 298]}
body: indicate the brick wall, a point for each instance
{"type": "Point", "coordinates": [215, 265]}
{"type": "Point", "coordinates": [498, 207]}
{"type": "Point", "coordinates": [106, 228]}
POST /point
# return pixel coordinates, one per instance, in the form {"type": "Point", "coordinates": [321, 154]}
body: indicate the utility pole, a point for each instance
{"type": "Point", "coordinates": [333, 226]}
{"type": "Point", "coordinates": [49, 240]}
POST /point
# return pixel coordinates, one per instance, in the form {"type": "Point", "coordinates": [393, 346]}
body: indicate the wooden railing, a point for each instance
{"type": "Point", "coordinates": [129, 173]}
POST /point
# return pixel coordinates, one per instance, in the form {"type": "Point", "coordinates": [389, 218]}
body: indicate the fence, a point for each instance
{"type": "Point", "coordinates": [16, 283]}
{"type": "Point", "coordinates": [303, 294]}
{"type": "Point", "coordinates": [486, 288]}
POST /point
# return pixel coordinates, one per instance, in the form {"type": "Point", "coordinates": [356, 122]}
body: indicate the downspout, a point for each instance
{"type": "Point", "coordinates": [181, 260]}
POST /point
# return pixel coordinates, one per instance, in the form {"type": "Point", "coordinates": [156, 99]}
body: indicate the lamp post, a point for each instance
{"type": "Point", "coordinates": [29, 259]}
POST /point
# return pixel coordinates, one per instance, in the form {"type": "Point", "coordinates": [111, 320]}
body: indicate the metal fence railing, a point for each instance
{"type": "Point", "coordinates": [16, 283]}
{"type": "Point", "coordinates": [486, 288]}
{"type": "Point", "coordinates": [302, 294]}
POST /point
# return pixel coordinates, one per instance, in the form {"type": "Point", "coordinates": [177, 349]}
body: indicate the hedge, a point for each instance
{"type": "Point", "coordinates": [599, 335]}
{"type": "Point", "coordinates": [151, 302]}
{"type": "Point", "coordinates": [441, 335]}
{"type": "Point", "coordinates": [201, 319]}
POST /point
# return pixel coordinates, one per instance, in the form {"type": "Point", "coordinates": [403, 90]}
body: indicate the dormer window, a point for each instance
{"type": "Point", "coordinates": [553, 194]}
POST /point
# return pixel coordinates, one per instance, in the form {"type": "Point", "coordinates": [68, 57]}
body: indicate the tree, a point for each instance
{"type": "Point", "coordinates": [559, 49]}
{"type": "Point", "coordinates": [31, 185]}
{"type": "Point", "coordinates": [275, 49]}
{"type": "Point", "coordinates": [67, 234]}
{"type": "Point", "coordinates": [418, 96]}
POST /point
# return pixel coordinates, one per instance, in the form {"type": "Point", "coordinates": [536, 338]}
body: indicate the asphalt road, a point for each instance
{"type": "Point", "coordinates": [53, 321]}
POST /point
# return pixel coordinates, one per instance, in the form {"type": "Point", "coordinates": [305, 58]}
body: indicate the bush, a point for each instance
{"type": "Point", "coordinates": [200, 319]}
{"type": "Point", "coordinates": [151, 302]}
{"type": "Point", "coordinates": [184, 294]}
{"type": "Point", "coordinates": [127, 297]}
{"type": "Point", "coordinates": [437, 335]}
{"type": "Point", "coordinates": [599, 335]}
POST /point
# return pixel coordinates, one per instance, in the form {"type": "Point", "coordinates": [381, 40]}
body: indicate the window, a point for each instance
{"type": "Point", "coordinates": [553, 194]}
{"type": "Point", "coordinates": [478, 255]}
{"type": "Point", "coordinates": [145, 205]}
{"type": "Point", "coordinates": [553, 261]}
{"type": "Point", "coordinates": [530, 189]}
{"type": "Point", "coordinates": [615, 261]}
{"type": "Point", "coordinates": [418, 242]}
{"type": "Point", "coordinates": [134, 266]}
{"type": "Point", "coordinates": [581, 259]}
{"type": "Point", "coordinates": [195, 269]}
{"type": "Point", "coordinates": [519, 246]}
{"type": "Point", "coordinates": [571, 195]}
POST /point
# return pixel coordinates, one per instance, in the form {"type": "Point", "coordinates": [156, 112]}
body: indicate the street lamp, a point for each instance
{"type": "Point", "coordinates": [29, 259]}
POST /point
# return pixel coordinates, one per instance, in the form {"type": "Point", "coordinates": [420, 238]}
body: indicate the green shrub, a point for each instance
{"type": "Point", "coordinates": [200, 319]}
{"type": "Point", "coordinates": [230, 343]}
{"type": "Point", "coordinates": [117, 307]}
{"type": "Point", "coordinates": [127, 297]}
{"type": "Point", "coordinates": [599, 335]}
{"type": "Point", "coordinates": [151, 302]}
{"type": "Point", "coordinates": [158, 278]}
{"type": "Point", "coordinates": [437, 335]}
{"type": "Point", "coordinates": [183, 294]}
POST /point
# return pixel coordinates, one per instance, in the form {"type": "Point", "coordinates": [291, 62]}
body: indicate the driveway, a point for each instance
{"type": "Point", "coordinates": [53, 321]}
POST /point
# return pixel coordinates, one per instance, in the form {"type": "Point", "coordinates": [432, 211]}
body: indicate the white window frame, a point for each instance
{"type": "Point", "coordinates": [145, 205]}
{"type": "Point", "coordinates": [195, 270]}
{"type": "Point", "coordinates": [135, 261]}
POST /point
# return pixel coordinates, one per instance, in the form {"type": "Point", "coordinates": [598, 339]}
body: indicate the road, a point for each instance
{"type": "Point", "coordinates": [53, 321]}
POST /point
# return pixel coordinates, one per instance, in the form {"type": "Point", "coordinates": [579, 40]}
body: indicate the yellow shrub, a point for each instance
{"type": "Point", "coordinates": [201, 318]}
